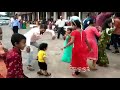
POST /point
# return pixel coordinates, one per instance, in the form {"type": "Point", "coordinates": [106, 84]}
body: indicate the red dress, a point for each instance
{"type": "Point", "coordinates": [14, 64]}
{"type": "Point", "coordinates": [79, 52]}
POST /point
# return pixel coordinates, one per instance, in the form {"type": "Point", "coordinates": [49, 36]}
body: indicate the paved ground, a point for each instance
{"type": "Point", "coordinates": [60, 69]}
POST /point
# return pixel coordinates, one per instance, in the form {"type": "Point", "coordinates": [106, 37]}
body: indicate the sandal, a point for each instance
{"type": "Point", "coordinates": [30, 68]}
{"type": "Point", "coordinates": [47, 74]}
{"type": "Point", "coordinates": [39, 73]}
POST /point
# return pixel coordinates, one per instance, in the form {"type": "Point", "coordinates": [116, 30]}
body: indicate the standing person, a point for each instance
{"type": "Point", "coordinates": [60, 23]}
{"type": "Point", "coordinates": [31, 37]}
{"type": "Point", "coordinates": [3, 52]}
{"type": "Point", "coordinates": [91, 31]}
{"type": "Point", "coordinates": [67, 53]}
{"type": "Point", "coordinates": [14, 59]}
{"type": "Point", "coordinates": [15, 25]}
{"type": "Point", "coordinates": [107, 30]}
{"type": "Point", "coordinates": [42, 60]}
{"type": "Point", "coordinates": [79, 55]}
{"type": "Point", "coordinates": [100, 19]}
{"type": "Point", "coordinates": [116, 33]}
{"type": "Point", "coordinates": [85, 24]}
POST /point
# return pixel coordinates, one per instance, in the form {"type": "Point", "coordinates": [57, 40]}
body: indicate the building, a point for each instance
{"type": "Point", "coordinates": [31, 16]}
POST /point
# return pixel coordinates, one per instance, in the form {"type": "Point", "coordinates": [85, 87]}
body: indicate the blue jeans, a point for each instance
{"type": "Point", "coordinates": [30, 55]}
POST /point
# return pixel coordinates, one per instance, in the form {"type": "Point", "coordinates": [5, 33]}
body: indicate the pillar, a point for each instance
{"type": "Point", "coordinates": [46, 16]}
{"type": "Point", "coordinates": [54, 16]}
{"type": "Point", "coordinates": [28, 17]}
{"type": "Point", "coordinates": [38, 16]}
{"type": "Point", "coordinates": [33, 17]}
{"type": "Point", "coordinates": [65, 15]}
{"type": "Point", "coordinates": [80, 15]}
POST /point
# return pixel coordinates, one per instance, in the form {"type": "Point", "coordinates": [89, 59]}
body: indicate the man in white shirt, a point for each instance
{"type": "Point", "coordinates": [31, 37]}
{"type": "Point", "coordinates": [60, 23]}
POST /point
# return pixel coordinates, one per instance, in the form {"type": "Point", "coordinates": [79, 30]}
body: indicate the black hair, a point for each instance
{"type": "Point", "coordinates": [91, 21]}
{"type": "Point", "coordinates": [88, 14]}
{"type": "Point", "coordinates": [43, 46]}
{"type": "Point", "coordinates": [43, 26]}
{"type": "Point", "coordinates": [16, 38]}
{"type": "Point", "coordinates": [106, 23]}
{"type": "Point", "coordinates": [77, 23]}
{"type": "Point", "coordinates": [70, 29]}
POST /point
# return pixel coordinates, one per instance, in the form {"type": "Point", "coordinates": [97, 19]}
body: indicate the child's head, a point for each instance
{"type": "Point", "coordinates": [43, 46]}
{"type": "Point", "coordinates": [18, 40]}
{"type": "Point", "coordinates": [69, 30]}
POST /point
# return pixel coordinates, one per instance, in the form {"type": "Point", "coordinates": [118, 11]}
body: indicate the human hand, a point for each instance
{"type": "Point", "coordinates": [53, 37]}
{"type": "Point", "coordinates": [62, 48]}
{"type": "Point", "coordinates": [28, 49]}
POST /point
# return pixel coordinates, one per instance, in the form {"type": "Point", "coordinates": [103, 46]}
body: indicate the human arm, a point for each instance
{"type": "Point", "coordinates": [18, 24]}
{"type": "Point", "coordinates": [71, 41]}
{"type": "Point", "coordinates": [97, 33]}
{"type": "Point", "coordinates": [52, 32]}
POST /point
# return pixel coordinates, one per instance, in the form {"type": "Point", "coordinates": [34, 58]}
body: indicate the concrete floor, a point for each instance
{"type": "Point", "coordinates": [60, 69]}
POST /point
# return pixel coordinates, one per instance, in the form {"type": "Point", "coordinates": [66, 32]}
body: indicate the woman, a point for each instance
{"type": "Point", "coordinates": [80, 49]}
{"type": "Point", "coordinates": [103, 41]}
{"type": "Point", "coordinates": [91, 33]}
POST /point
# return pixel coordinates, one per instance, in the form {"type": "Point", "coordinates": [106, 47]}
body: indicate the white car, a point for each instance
{"type": "Point", "coordinates": [4, 20]}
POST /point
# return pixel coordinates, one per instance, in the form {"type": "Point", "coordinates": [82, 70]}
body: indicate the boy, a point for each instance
{"type": "Point", "coordinates": [42, 60]}
{"type": "Point", "coordinates": [14, 59]}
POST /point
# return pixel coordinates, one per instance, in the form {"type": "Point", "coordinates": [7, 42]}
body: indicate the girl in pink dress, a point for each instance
{"type": "Point", "coordinates": [91, 32]}
{"type": "Point", "coordinates": [80, 49]}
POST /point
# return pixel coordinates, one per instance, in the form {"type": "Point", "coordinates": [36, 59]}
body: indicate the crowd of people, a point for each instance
{"type": "Point", "coordinates": [87, 40]}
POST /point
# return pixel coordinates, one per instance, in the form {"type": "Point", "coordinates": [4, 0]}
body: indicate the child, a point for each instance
{"type": "Point", "coordinates": [67, 54]}
{"type": "Point", "coordinates": [42, 60]}
{"type": "Point", "coordinates": [3, 69]}
{"type": "Point", "coordinates": [14, 59]}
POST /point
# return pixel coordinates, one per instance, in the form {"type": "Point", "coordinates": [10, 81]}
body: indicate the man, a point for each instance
{"type": "Point", "coordinates": [15, 25]}
{"type": "Point", "coordinates": [75, 17]}
{"type": "Point", "coordinates": [116, 34]}
{"type": "Point", "coordinates": [60, 24]}
{"type": "Point", "coordinates": [31, 37]}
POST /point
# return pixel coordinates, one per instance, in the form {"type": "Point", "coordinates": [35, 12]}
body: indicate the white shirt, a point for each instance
{"type": "Point", "coordinates": [74, 18]}
{"type": "Point", "coordinates": [60, 23]}
{"type": "Point", "coordinates": [34, 34]}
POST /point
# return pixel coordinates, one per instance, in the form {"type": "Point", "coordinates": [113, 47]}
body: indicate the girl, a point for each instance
{"type": "Point", "coordinates": [103, 41]}
{"type": "Point", "coordinates": [80, 49]}
{"type": "Point", "coordinates": [67, 54]}
{"type": "Point", "coordinates": [91, 33]}
{"type": "Point", "coordinates": [42, 60]}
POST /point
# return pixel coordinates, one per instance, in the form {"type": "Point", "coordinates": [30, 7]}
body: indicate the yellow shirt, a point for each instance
{"type": "Point", "coordinates": [41, 55]}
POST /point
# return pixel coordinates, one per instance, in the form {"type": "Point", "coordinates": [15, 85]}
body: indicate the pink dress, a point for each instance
{"type": "Point", "coordinates": [91, 32]}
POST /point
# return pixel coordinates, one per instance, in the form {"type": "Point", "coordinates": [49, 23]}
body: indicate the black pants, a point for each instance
{"type": "Point", "coordinates": [115, 40]}
{"type": "Point", "coordinates": [60, 31]}
{"type": "Point", "coordinates": [42, 65]}
{"type": "Point", "coordinates": [15, 29]}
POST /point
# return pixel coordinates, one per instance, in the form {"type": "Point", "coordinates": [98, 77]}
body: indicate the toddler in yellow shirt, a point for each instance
{"type": "Point", "coordinates": [42, 60]}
